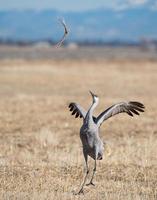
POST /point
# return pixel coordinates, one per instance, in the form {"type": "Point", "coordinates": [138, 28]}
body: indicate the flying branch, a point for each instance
{"type": "Point", "coordinates": [66, 32]}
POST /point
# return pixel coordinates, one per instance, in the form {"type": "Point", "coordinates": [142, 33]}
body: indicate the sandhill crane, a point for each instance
{"type": "Point", "coordinates": [89, 132]}
{"type": "Point", "coordinates": [65, 33]}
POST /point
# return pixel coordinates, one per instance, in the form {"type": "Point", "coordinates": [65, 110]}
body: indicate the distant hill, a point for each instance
{"type": "Point", "coordinates": [100, 24]}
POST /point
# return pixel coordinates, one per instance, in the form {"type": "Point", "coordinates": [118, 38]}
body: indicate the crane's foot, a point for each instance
{"type": "Point", "coordinates": [80, 192]}
{"type": "Point", "coordinates": [90, 183]}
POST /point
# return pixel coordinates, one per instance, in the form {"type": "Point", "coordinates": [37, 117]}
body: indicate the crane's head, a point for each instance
{"type": "Point", "coordinates": [95, 97]}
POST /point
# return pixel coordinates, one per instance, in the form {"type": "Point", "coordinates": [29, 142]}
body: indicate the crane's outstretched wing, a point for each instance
{"type": "Point", "coordinates": [77, 110]}
{"type": "Point", "coordinates": [65, 33]}
{"type": "Point", "coordinates": [132, 107]}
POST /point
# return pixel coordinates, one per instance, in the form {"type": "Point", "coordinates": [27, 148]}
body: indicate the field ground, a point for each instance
{"type": "Point", "coordinates": [40, 150]}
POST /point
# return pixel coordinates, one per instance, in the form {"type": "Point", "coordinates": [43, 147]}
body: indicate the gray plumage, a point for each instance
{"type": "Point", "coordinates": [89, 132]}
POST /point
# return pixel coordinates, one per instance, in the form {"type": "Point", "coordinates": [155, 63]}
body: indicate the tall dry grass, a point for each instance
{"type": "Point", "coordinates": [41, 153]}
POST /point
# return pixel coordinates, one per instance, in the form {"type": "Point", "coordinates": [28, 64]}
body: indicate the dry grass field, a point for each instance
{"type": "Point", "coordinates": [40, 150]}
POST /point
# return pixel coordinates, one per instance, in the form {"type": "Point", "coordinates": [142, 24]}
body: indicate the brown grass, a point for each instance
{"type": "Point", "coordinates": [41, 153]}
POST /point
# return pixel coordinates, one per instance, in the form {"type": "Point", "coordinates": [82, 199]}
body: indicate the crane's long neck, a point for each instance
{"type": "Point", "coordinates": [89, 115]}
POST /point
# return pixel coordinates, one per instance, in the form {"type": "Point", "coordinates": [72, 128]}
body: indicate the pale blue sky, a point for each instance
{"type": "Point", "coordinates": [72, 4]}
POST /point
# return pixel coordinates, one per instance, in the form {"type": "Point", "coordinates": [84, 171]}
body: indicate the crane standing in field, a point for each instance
{"type": "Point", "coordinates": [89, 132]}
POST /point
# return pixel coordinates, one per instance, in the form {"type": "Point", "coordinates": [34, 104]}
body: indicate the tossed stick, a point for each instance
{"type": "Point", "coordinates": [65, 33]}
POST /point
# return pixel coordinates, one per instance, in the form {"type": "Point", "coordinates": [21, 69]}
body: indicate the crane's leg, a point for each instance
{"type": "Point", "coordinates": [94, 170]}
{"type": "Point", "coordinates": [87, 171]}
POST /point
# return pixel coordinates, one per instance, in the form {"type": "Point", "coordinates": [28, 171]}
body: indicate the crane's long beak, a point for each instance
{"type": "Point", "coordinates": [93, 95]}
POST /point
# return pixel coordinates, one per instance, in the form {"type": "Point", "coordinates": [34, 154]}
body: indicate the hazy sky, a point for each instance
{"type": "Point", "coordinates": [72, 4]}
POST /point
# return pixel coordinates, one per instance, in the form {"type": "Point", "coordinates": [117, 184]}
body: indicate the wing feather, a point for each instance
{"type": "Point", "coordinates": [77, 110]}
{"type": "Point", "coordinates": [132, 107]}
